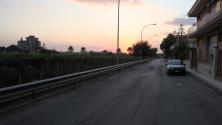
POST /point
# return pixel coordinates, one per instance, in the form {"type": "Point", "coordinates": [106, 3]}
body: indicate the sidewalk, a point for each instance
{"type": "Point", "coordinates": [212, 83]}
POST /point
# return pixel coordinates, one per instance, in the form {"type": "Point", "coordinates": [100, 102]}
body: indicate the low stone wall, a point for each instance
{"type": "Point", "coordinates": [205, 69]}
{"type": "Point", "coordinates": [202, 68]}
{"type": "Point", "coordinates": [187, 62]}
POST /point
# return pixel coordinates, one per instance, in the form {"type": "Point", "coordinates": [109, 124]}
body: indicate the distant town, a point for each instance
{"type": "Point", "coordinates": [30, 44]}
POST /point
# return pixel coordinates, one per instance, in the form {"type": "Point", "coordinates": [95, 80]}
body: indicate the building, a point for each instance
{"type": "Point", "coordinates": [31, 43]}
{"type": "Point", "coordinates": [206, 33]}
{"type": "Point", "coordinates": [16, 48]}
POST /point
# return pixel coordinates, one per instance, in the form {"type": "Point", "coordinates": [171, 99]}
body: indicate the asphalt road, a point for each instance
{"type": "Point", "coordinates": [140, 95]}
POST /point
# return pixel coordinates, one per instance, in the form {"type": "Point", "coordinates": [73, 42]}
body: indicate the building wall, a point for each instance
{"type": "Point", "coordinates": [202, 51]}
{"type": "Point", "coordinates": [205, 69]}
{"type": "Point", "coordinates": [219, 70]}
{"type": "Point", "coordinates": [31, 43]}
{"type": "Point", "coordinates": [220, 39]}
{"type": "Point", "coordinates": [220, 45]}
{"type": "Point", "coordinates": [206, 45]}
{"type": "Point", "coordinates": [201, 43]}
{"type": "Point", "coordinates": [206, 53]}
{"type": "Point", "coordinates": [209, 14]}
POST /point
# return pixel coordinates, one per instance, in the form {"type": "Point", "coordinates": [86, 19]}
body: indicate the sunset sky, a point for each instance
{"type": "Point", "coordinates": [90, 23]}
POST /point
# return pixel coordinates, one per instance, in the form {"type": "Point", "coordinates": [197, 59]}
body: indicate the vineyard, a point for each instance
{"type": "Point", "coordinates": [18, 68]}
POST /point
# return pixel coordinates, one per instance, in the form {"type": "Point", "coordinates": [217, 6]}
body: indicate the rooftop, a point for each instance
{"type": "Point", "coordinates": [198, 6]}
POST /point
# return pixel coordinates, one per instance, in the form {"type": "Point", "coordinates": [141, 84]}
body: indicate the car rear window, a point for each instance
{"type": "Point", "coordinates": [174, 62]}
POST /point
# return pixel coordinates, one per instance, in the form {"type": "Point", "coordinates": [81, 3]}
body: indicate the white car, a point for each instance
{"type": "Point", "coordinates": [175, 66]}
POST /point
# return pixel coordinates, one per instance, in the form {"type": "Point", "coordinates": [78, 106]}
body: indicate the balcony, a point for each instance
{"type": "Point", "coordinates": [198, 6]}
{"type": "Point", "coordinates": [192, 29]}
{"type": "Point", "coordinates": [209, 22]}
{"type": "Point", "coordinates": [215, 12]}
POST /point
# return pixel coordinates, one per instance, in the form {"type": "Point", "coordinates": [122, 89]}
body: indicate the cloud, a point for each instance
{"type": "Point", "coordinates": [108, 1]}
{"type": "Point", "coordinates": [184, 21]}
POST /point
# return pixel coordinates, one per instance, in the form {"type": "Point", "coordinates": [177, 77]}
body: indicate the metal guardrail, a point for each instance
{"type": "Point", "coordinates": [31, 89]}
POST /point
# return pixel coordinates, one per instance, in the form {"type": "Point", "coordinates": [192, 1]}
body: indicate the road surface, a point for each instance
{"type": "Point", "coordinates": [139, 95]}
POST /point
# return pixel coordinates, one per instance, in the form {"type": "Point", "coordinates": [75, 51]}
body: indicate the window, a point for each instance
{"type": "Point", "coordinates": [174, 62]}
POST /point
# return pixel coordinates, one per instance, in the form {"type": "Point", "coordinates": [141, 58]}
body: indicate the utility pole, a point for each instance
{"type": "Point", "coordinates": [117, 50]}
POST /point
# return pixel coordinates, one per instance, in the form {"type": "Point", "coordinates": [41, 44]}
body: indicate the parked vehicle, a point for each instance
{"type": "Point", "coordinates": [175, 66]}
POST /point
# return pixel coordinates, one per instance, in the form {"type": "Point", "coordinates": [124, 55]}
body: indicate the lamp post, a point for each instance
{"type": "Point", "coordinates": [117, 50]}
{"type": "Point", "coordinates": [142, 38]}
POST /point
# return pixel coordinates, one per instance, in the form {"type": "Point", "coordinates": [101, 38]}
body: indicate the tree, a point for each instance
{"type": "Point", "coordinates": [107, 52]}
{"type": "Point", "coordinates": [104, 51]}
{"type": "Point", "coordinates": [119, 51]}
{"type": "Point", "coordinates": [130, 50]}
{"type": "Point", "coordinates": [181, 30]}
{"type": "Point", "coordinates": [181, 51]}
{"type": "Point", "coordinates": [70, 49]}
{"type": "Point", "coordinates": [153, 52]}
{"type": "Point", "coordinates": [141, 48]}
{"type": "Point", "coordinates": [83, 50]}
{"type": "Point", "coordinates": [166, 45]}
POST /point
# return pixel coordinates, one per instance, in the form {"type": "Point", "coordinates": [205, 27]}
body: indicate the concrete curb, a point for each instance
{"type": "Point", "coordinates": [214, 84]}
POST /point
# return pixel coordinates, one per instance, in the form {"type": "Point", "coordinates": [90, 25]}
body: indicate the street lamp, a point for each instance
{"type": "Point", "coordinates": [117, 50]}
{"type": "Point", "coordinates": [142, 37]}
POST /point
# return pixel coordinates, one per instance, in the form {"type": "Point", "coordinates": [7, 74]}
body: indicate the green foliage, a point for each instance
{"type": "Point", "coordinates": [70, 49]}
{"type": "Point", "coordinates": [166, 44]}
{"type": "Point", "coordinates": [83, 50]}
{"type": "Point", "coordinates": [27, 67]}
{"type": "Point", "coordinates": [146, 49]}
{"type": "Point", "coordinates": [181, 51]}
{"type": "Point", "coordinates": [130, 50]}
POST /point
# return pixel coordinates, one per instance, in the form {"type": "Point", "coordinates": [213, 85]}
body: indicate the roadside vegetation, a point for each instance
{"type": "Point", "coordinates": [142, 49]}
{"type": "Point", "coordinates": [18, 67]}
{"type": "Point", "coordinates": [26, 67]}
{"type": "Point", "coordinates": [176, 45]}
